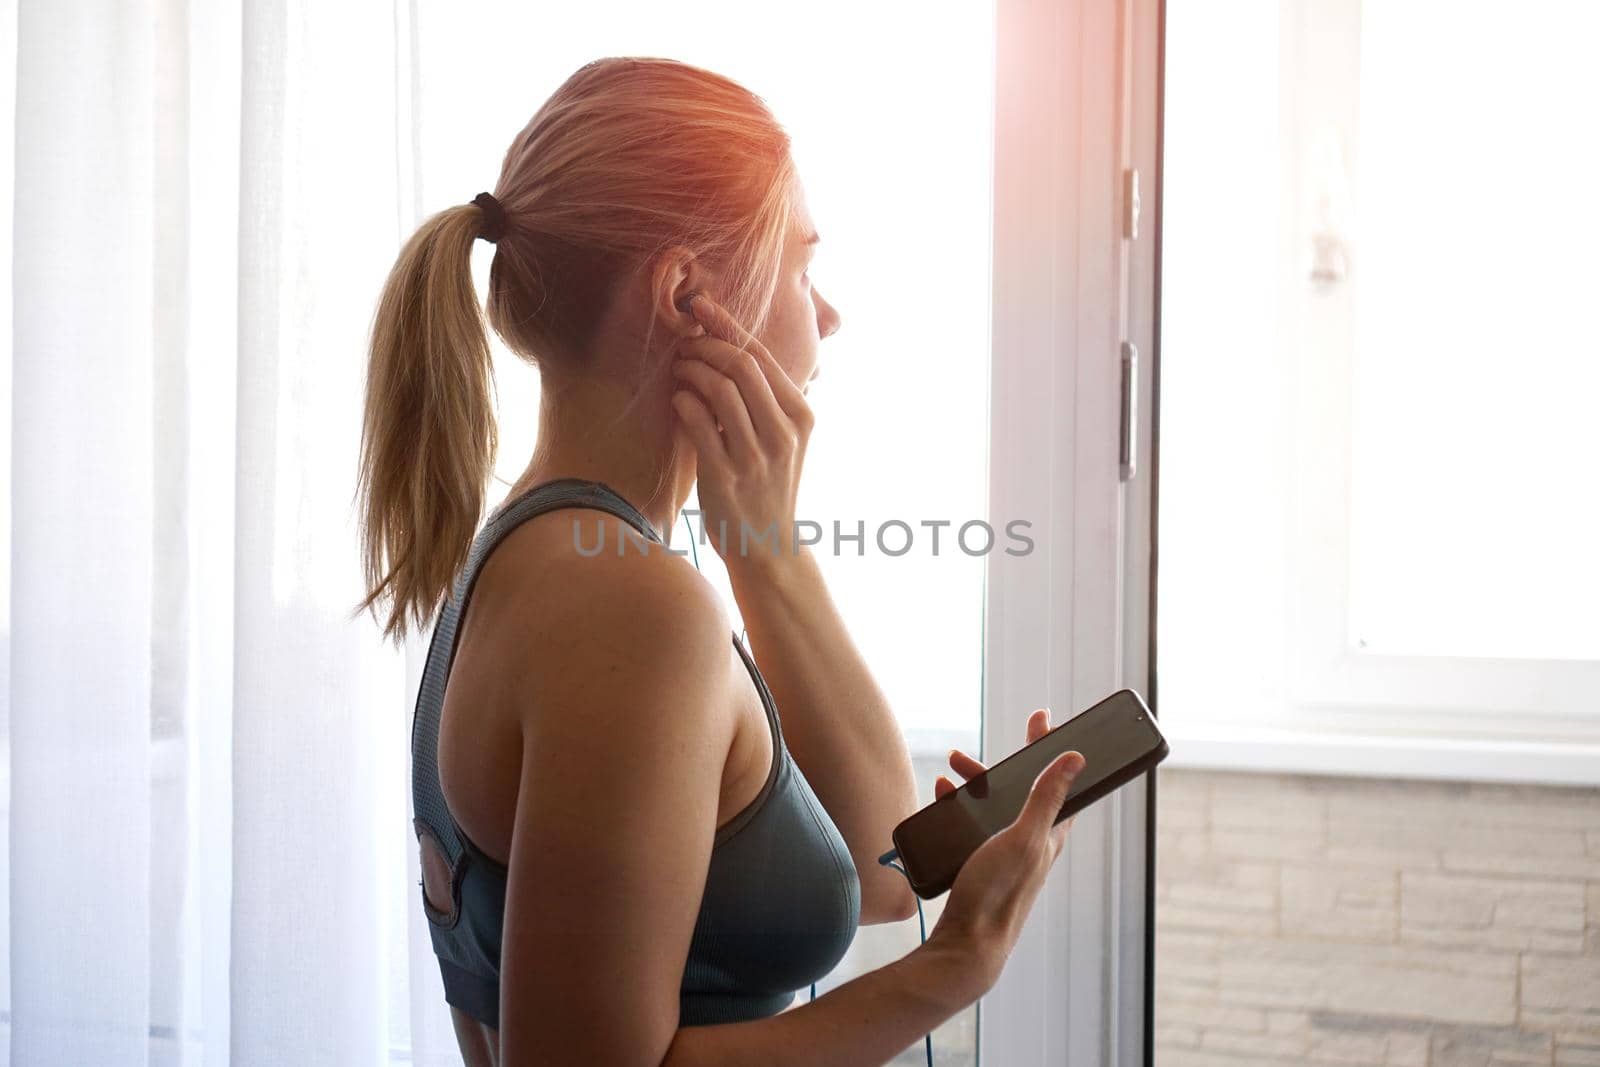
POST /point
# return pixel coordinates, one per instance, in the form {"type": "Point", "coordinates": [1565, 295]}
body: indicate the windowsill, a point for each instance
{"type": "Point", "coordinates": [1251, 748]}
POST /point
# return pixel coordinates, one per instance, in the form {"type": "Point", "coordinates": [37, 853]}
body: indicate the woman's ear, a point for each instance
{"type": "Point", "coordinates": [679, 276]}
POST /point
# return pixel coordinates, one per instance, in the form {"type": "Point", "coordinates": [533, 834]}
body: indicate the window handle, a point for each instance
{"type": "Point", "coordinates": [1130, 408]}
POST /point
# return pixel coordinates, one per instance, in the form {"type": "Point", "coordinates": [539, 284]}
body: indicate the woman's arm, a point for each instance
{"type": "Point", "coordinates": [836, 721]}
{"type": "Point", "coordinates": [866, 1022]}
{"type": "Point", "coordinates": [626, 727]}
{"type": "Point", "coordinates": [871, 1019]}
{"type": "Point", "coordinates": [623, 749]}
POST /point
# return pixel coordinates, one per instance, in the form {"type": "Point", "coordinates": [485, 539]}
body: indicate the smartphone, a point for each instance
{"type": "Point", "coordinates": [1119, 741]}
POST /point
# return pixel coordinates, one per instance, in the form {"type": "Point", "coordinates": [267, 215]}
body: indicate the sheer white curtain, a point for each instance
{"type": "Point", "coordinates": [206, 829]}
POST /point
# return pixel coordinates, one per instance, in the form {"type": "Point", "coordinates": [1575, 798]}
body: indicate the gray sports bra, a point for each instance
{"type": "Point", "coordinates": [782, 899]}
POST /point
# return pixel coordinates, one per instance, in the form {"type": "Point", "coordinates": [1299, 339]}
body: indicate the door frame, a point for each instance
{"type": "Point", "coordinates": [1077, 104]}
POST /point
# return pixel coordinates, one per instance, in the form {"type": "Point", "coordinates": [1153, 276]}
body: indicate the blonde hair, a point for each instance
{"type": "Point", "coordinates": [629, 156]}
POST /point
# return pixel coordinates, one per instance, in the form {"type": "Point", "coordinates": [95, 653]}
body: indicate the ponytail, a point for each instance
{"type": "Point", "coordinates": [428, 436]}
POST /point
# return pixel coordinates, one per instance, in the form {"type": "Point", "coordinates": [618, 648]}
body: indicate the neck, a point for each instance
{"type": "Point", "coordinates": [587, 430]}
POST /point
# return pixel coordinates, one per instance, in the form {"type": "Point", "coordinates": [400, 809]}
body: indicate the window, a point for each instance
{"type": "Point", "coordinates": [1377, 512]}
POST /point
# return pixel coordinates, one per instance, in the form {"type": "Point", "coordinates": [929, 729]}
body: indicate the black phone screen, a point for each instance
{"type": "Point", "coordinates": [1119, 741]}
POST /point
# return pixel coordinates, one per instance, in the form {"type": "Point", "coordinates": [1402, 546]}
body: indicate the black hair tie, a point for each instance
{"type": "Point", "coordinates": [494, 217]}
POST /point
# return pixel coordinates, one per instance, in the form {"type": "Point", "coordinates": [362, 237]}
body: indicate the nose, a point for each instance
{"type": "Point", "coordinates": [827, 316]}
{"type": "Point", "coordinates": [830, 322]}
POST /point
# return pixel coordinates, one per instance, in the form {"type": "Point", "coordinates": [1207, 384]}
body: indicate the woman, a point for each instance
{"type": "Point", "coordinates": [622, 861]}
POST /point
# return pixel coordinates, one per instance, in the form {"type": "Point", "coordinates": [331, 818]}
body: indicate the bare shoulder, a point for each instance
{"type": "Point", "coordinates": [555, 641]}
{"type": "Point", "coordinates": [574, 634]}
{"type": "Point", "coordinates": [580, 584]}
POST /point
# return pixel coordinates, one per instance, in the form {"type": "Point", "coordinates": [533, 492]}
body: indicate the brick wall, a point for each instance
{"type": "Point", "coordinates": [1319, 919]}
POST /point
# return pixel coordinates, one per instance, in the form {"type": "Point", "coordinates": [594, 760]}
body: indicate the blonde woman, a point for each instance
{"type": "Point", "coordinates": [626, 857]}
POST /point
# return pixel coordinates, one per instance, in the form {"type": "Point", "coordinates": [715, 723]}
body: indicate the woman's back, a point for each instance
{"type": "Point", "coordinates": [779, 901]}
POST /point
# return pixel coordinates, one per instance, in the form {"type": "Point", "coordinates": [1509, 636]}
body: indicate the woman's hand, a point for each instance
{"type": "Point", "coordinates": [996, 887]}
{"type": "Point", "coordinates": [966, 766]}
{"type": "Point", "coordinates": [749, 424]}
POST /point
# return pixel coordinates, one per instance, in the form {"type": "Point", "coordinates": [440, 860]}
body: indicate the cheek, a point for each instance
{"type": "Point", "coordinates": [792, 337]}
{"type": "Point", "coordinates": [795, 364]}
{"type": "Point", "coordinates": [801, 358]}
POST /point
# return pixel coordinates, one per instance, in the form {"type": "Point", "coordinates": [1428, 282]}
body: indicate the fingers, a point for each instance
{"type": "Point", "coordinates": [1049, 793]}
{"type": "Point", "coordinates": [736, 384]}
{"type": "Point", "coordinates": [735, 339]}
{"type": "Point", "coordinates": [968, 767]}
{"type": "Point", "coordinates": [725, 399]}
{"type": "Point", "coordinates": [964, 764]}
{"type": "Point", "coordinates": [702, 429]}
{"type": "Point", "coordinates": [743, 370]}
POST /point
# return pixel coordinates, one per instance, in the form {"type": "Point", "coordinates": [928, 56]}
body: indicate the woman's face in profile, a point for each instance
{"type": "Point", "coordinates": [800, 316]}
